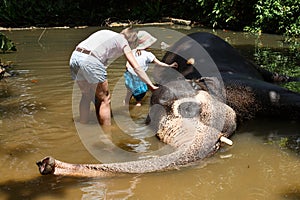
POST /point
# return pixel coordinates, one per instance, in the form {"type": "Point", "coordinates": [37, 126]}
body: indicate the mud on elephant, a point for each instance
{"type": "Point", "coordinates": [197, 107]}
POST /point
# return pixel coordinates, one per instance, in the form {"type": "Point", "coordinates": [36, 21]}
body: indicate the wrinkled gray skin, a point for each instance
{"type": "Point", "coordinates": [191, 115]}
{"type": "Point", "coordinates": [250, 90]}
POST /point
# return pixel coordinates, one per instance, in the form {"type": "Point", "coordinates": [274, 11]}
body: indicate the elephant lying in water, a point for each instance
{"type": "Point", "coordinates": [248, 89]}
{"type": "Point", "coordinates": [194, 124]}
{"type": "Point", "coordinates": [195, 116]}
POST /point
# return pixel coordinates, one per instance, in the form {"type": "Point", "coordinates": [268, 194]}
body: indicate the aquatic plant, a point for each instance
{"type": "Point", "coordinates": [6, 44]}
{"type": "Point", "coordinates": [5, 69]}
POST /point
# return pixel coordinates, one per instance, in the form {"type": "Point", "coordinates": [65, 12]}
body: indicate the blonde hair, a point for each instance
{"type": "Point", "coordinates": [131, 37]}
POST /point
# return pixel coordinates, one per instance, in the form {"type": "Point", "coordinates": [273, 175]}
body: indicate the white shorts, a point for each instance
{"type": "Point", "coordinates": [87, 67]}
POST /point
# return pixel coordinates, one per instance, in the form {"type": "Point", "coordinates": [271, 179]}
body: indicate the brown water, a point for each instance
{"type": "Point", "coordinates": [36, 121]}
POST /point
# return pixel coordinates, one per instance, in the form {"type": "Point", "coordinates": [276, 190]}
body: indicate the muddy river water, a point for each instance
{"type": "Point", "coordinates": [37, 119]}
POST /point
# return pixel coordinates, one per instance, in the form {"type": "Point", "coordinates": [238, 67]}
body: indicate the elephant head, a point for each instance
{"type": "Point", "coordinates": [180, 110]}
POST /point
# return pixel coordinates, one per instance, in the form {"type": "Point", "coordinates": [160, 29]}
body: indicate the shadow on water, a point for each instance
{"type": "Point", "coordinates": [284, 133]}
{"type": "Point", "coordinates": [58, 187]}
{"type": "Point", "coordinates": [37, 187]}
{"type": "Point", "coordinates": [291, 195]}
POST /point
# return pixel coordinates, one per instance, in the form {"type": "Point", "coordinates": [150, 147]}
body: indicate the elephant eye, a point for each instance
{"type": "Point", "coordinates": [189, 109]}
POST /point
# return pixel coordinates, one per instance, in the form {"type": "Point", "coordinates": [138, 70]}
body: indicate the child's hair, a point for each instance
{"type": "Point", "coordinates": [138, 52]}
{"type": "Point", "coordinates": [131, 37]}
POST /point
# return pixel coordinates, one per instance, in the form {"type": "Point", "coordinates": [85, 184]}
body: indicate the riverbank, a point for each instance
{"type": "Point", "coordinates": [111, 24]}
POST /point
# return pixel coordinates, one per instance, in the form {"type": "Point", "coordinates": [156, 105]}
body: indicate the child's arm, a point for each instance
{"type": "Point", "coordinates": [138, 70]}
{"type": "Point", "coordinates": [174, 64]}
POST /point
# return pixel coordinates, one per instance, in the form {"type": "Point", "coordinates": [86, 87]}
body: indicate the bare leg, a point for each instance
{"type": "Point", "coordinates": [86, 98]}
{"type": "Point", "coordinates": [128, 97]}
{"type": "Point", "coordinates": [84, 108]}
{"type": "Point", "coordinates": [102, 94]}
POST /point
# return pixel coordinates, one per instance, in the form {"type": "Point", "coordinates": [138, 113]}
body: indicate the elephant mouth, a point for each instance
{"type": "Point", "coordinates": [178, 132]}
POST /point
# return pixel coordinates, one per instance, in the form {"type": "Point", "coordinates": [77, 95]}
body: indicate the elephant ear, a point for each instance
{"type": "Point", "coordinates": [212, 85]}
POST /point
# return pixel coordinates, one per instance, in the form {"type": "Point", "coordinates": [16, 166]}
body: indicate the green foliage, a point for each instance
{"type": "Point", "coordinates": [223, 13]}
{"type": "Point", "coordinates": [283, 142]}
{"type": "Point", "coordinates": [148, 11]}
{"type": "Point", "coordinates": [283, 61]}
{"type": "Point", "coordinates": [273, 16]}
{"type": "Point", "coordinates": [276, 16]}
{"type": "Point", "coordinates": [6, 44]}
{"type": "Point", "coordinates": [229, 14]}
{"type": "Point", "coordinates": [16, 13]}
{"type": "Point", "coordinates": [289, 142]}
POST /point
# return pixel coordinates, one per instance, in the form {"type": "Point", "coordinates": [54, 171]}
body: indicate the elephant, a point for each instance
{"type": "Point", "coordinates": [247, 88]}
{"type": "Point", "coordinates": [198, 106]}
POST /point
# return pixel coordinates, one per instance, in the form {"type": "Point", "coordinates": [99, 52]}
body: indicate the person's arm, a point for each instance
{"type": "Point", "coordinates": [138, 70]}
{"type": "Point", "coordinates": [174, 64]}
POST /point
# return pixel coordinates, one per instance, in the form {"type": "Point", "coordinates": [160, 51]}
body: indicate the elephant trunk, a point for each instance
{"type": "Point", "coordinates": [203, 145]}
{"type": "Point", "coordinates": [49, 165]}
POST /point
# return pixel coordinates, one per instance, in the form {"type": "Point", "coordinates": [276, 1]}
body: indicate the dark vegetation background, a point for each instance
{"type": "Point", "coordinates": [269, 16]}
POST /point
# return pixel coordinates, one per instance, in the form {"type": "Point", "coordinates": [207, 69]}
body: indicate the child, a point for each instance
{"type": "Point", "coordinates": [136, 87]}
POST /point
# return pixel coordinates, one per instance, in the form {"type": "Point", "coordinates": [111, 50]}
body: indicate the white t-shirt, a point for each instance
{"type": "Point", "coordinates": [105, 45]}
{"type": "Point", "coordinates": [143, 60]}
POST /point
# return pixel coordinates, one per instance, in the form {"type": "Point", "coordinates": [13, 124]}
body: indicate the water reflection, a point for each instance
{"type": "Point", "coordinates": [101, 189]}
{"type": "Point", "coordinates": [36, 120]}
{"type": "Point", "coordinates": [284, 134]}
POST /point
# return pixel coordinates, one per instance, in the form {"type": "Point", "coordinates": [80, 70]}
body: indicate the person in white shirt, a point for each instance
{"type": "Point", "coordinates": [135, 86]}
{"type": "Point", "coordinates": [88, 64]}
